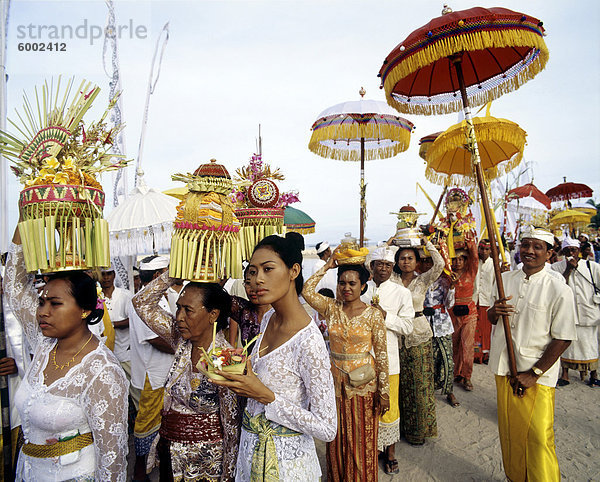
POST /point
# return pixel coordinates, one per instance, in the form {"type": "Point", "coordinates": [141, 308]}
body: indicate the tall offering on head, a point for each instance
{"type": "Point", "coordinates": [56, 157]}
{"type": "Point", "coordinates": [459, 224]}
{"type": "Point", "coordinates": [206, 245]}
{"type": "Point", "coordinates": [258, 203]}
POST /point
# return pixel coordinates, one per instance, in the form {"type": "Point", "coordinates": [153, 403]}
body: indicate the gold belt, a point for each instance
{"type": "Point", "coordinates": [349, 356]}
{"type": "Point", "coordinates": [59, 448]}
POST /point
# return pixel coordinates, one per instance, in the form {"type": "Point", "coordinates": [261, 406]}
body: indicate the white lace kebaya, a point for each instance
{"type": "Point", "coordinates": [91, 397]}
{"type": "Point", "coordinates": [299, 374]}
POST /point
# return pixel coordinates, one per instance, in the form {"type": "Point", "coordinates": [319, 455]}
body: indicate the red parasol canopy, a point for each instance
{"type": "Point", "coordinates": [529, 190]}
{"type": "Point", "coordinates": [569, 190]}
{"type": "Point", "coordinates": [501, 50]}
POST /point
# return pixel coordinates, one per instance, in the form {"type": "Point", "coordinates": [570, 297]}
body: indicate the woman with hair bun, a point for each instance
{"type": "Point", "coordinates": [288, 381]}
{"type": "Point", "coordinates": [73, 397]}
{"type": "Point", "coordinates": [355, 329]}
{"type": "Point", "coordinates": [199, 432]}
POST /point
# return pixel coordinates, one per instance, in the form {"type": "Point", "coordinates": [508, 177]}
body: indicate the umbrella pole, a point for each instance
{"type": "Point", "coordinates": [474, 148]}
{"type": "Point", "coordinates": [439, 203]}
{"type": "Point", "coordinates": [363, 189]}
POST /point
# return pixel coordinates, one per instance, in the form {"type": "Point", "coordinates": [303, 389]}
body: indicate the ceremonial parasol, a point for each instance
{"type": "Point", "coordinates": [143, 222]}
{"type": "Point", "coordinates": [570, 217]}
{"type": "Point", "coordinates": [358, 131]}
{"type": "Point", "coordinates": [568, 190]}
{"type": "Point", "coordinates": [501, 143]}
{"type": "Point", "coordinates": [298, 221]}
{"type": "Point", "coordinates": [526, 191]}
{"type": "Point", "coordinates": [477, 54]}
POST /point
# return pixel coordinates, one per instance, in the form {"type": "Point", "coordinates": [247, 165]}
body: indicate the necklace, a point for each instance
{"type": "Point", "coordinates": [66, 365]}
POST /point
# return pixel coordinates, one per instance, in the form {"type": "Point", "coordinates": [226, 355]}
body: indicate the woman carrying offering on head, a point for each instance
{"type": "Point", "coordinates": [361, 380]}
{"type": "Point", "coordinates": [288, 380]}
{"type": "Point", "coordinates": [464, 313]}
{"type": "Point", "coordinates": [73, 397]}
{"type": "Point", "coordinates": [417, 401]}
{"type": "Point", "coordinates": [199, 433]}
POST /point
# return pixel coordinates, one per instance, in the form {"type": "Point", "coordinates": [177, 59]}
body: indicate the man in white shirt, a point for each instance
{"type": "Point", "coordinates": [116, 301]}
{"type": "Point", "coordinates": [395, 301]}
{"type": "Point", "coordinates": [481, 296]}
{"type": "Point", "coordinates": [542, 318]}
{"type": "Point", "coordinates": [151, 359]}
{"type": "Point", "coordinates": [583, 277]}
{"type": "Point", "coordinates": [330, 279]}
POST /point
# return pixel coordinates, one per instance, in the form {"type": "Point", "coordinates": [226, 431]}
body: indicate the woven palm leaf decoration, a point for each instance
{"type": "Point", "coordinates": [206, 246]}
{"type": "Point", "coordinates": [56, 157]}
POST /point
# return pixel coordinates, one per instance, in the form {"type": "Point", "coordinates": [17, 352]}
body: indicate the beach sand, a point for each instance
{"type": "Point", "coordinates": [468, 449]}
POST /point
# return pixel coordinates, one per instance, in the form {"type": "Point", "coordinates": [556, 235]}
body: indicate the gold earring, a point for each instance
{"type": "Point", "coordinates": [83, 316]}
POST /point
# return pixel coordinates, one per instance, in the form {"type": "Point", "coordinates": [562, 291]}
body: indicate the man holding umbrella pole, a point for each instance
{"type": "Point", "coordinates": [542, 316]}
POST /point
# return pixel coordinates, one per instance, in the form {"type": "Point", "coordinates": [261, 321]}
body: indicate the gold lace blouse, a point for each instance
{"type": "Point", "coordinates": [349, 336]}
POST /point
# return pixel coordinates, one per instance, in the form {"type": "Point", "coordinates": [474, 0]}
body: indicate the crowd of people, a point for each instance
{"type": "Point", "coordinates": [352, 357]}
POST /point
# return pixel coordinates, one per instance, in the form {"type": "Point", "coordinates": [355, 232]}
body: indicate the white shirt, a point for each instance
{"type": "Point", "coordinates": [145, 359]}
{"type": "Point", "coordinates": [548, 267]}
{"type": "Point", "coordinates": [544, 310]}
{"type": "Point", "coordinates": [117, 310]}
{"type": "Point", "coordinates": [396, 300]}
{"type": "Point", "coordinates": [330, 278]}
{"type": "Point", "coordinates": [483, 282]}
{"type": "Point", "coordinates": [580, 281]}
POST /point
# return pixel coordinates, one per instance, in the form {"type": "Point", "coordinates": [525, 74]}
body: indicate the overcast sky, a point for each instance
{"type": "Point", "coordinates": [232, 65]}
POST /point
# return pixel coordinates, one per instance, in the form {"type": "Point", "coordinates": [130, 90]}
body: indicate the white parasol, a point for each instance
{"type": "Point", "coordinates": [142, 223]}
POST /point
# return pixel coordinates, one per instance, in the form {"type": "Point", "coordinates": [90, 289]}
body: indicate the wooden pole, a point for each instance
{"type": "Point", "coordinates": [439, 203]}
{"type": "Point", "coordinates": [476, 160]}
{"type": "Point", "coordinates": [362, 192]}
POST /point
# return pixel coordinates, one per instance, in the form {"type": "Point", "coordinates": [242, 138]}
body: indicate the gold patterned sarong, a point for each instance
{"type": "Point", "coordinates": [265, 466]}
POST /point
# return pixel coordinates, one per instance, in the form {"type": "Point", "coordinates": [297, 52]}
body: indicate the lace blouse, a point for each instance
{"type": "Point", "coordinates": [298, 373]}
{"type": "Point", "coordinates": [359, 334]}
{"type": "Point", "coordinates": [91, 397]}
{"type": "Point", "coordinates": [418, 287]}
{"type": "Point", "coordinates": [205, 398]}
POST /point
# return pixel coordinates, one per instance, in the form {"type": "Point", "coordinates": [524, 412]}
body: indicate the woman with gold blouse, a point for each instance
{"type": "Point", "coordinates": [355, 330]}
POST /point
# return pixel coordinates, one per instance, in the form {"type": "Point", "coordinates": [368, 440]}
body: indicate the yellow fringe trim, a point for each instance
{"type": "Point", "coordinates": [302, 231]}
{"type": "Point", "coordinates": [487, 129]}
{"type": "Point", "coordinates": [354, 132]}
{"type": "Point", "coordinates": [460, 43]}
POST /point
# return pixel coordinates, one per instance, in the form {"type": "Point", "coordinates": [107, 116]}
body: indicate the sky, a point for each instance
{"type": "Point", "coordinates": [229, 66]}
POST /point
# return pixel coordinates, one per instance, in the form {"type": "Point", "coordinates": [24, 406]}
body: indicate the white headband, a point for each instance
{"type": "Point", "coordinates": [159, 262]}
{"type": "Point", "coordinates": [537, 233]}
{"type": "Point", "coordinates": [384, 253]}
{"type": "Point", "coordinates": [570, 242]}
{"type": "Point", "coordinates": [322, 247]}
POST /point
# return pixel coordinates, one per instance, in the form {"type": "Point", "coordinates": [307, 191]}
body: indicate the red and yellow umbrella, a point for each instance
{"type": "Point", "coordinates": [470, 56]}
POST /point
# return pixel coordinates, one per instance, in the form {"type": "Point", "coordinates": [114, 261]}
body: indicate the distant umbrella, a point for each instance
{"type": "Point", "coordinates": [298, 221]}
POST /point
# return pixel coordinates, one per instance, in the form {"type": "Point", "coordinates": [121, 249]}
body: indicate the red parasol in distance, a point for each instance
{"type": "Point", "coordinates": [569, 190]}
{"type": "Point", "coordinates": [529, 190]}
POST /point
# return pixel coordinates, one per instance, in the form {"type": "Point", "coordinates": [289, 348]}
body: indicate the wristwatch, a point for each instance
{"type": "Point", "coordinates": [537, 371]}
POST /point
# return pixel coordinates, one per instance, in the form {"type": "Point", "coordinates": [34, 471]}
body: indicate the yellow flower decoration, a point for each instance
{"type": "Point", "coordinates": [61, 178]}
{"type": "Point", "coordinates": [51, 162]}
{"type": "Point", "coordinates": [38, 181]}
{"type": "Point", "coordinates": [46, 172]}
{"type": "Point", "coordinates": [29, 182]}
{"type": "Point", "coordinates": [69, 164]}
